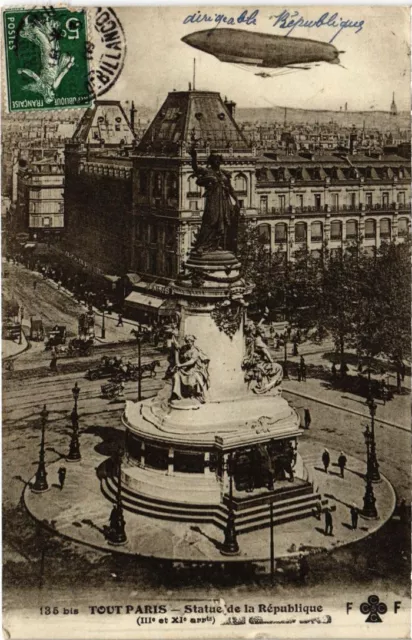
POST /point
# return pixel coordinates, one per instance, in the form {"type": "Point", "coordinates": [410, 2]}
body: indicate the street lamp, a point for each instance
{"type": "Point", "coordinates": [369, 507]}
{"type": "Point", "coordinates": [21, 326]}
{"type": "Point", "coordinates": [103, 334]}
{"type": "Point", "coordinates": [74, 450]}
{"type": "Point", "coordinates": [139, 337]}
{"type": "Point", "coordinates": [117, 534]}
{"type": "Point", "coordinates": [373, 462]}
{"type": "Point", "coordinates": [230, 546]}
{"type": "Point", "coordinates": [40, 484]}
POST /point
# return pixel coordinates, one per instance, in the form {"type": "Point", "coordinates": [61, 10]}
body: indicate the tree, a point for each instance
{"type": "Point", "coordinates": [385, 310]}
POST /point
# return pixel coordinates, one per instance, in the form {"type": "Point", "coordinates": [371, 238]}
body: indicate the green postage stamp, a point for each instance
{"type": "Point", "coordinates": [46, 58]}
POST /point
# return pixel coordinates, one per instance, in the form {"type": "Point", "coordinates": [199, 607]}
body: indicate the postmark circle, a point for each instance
{"type": "Point", "coordinates": [106, 52]}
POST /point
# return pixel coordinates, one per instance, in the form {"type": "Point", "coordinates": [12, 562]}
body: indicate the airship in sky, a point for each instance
{"type": "Point", "coordinates": [262, 49]}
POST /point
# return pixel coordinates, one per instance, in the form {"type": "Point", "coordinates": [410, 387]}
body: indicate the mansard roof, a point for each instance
{"type": "Point", "coordinates": [104, 122]}
{"type": "Point", "coordinates": [188, 117]}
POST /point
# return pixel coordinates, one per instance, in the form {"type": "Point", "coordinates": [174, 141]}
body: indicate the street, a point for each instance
{"type": "Point", "coordinates": [36, 560]}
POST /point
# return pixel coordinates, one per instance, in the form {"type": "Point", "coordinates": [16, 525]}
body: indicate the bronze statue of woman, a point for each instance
{"type": "Point", "coordinates": [221, 212]}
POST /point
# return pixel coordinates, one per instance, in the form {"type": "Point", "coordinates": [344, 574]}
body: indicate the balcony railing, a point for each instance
{"type": "Point", "coordinates": [194, 194]}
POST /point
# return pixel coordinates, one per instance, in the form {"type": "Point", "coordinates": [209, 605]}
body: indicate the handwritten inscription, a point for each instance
{"type": "Point", "coordinates": [244, 18]}
{"type": "Point", "coordinates": [293, 20]}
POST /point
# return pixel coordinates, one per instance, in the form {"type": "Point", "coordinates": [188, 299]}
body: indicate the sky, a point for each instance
{"type": "Point", "coordinates": [376, 59]}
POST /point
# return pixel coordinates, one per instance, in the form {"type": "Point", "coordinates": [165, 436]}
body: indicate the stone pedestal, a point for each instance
{"type": "Point", "coordinates": [177, 447]}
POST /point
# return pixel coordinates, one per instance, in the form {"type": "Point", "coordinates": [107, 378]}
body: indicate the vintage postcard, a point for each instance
{"type": "Point", "coordinates": [206, 298]}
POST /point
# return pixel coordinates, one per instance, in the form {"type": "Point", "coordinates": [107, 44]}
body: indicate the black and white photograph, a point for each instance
{"type": "Point", "coordinates": [206, 318]}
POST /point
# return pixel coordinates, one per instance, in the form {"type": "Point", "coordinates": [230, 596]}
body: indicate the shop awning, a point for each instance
{"type": "Point", "coordinates": [168, 308]}
{"type": "Point", "coordinates": [144, 301]}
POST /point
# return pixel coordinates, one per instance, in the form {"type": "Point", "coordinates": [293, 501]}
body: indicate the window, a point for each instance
{"type": "Point", "coordinates": [193, 188]}
{"type": "Point", "coordinates": [300, 232]}
{"type": "Point", "coordinates": [172, 190]}
{"type": "Point", "coordinates": [318, 202]}
{"type": "Point", "coordinates": [385, 228]}
{"type": "Point", "coordinates": [158, 184]}
{"type": "Point", "coordinates": [403, 226]}
{"type": "Point", "coordinates": [282, 203]}
{"type": "Point", "coordinates": [170, 236]}
{"type": "Point", "coordinates": [299, 201]}
{"type": "Point", "coordinates": [144, 182]}
{"type": "Point", "coordinates": [264, 233]}
{"type": "Point", "coordinates": [369, 200]}
{"type": "Point", "coordinates": [263, 204]}
{"type": "Point", "coordinates": [336, 230]}
{"type": "Point", "coordinates": [281, 233]}
{"type": "Point", "coordinates": [153, 262]}
{"type": "Point", "coordinates": [241, 184]}
{"type": "Point", "coordinates": [370, 229]}
{"type": "Point", "coordinates": [316, 232]}
{"type": "Point", "coordinates": [353, 200]}
{"type": "Point", "coordinates": [46, 222]}
{"type": "Point", "coordinates": [193, 205]}
{"type": "Point", "coordinates": [351, 229]}
{"type": "Point", "coordinates": [385, 199]}
{"type": "Point", "coordinates": [241, 204]}
{"type": "Point", "coordinates": [335, 201]}
{"type": "Point", "coordinates": [401, 197]}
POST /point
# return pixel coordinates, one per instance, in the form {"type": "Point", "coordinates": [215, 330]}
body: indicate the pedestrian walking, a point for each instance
{"type": "Point", "coordinates": [342, 460]}
{"type": "Point", "coordinates": [119, 320]}
{"type": "Point", "coordinates": [308, 419]}
{"type": "Point", "coordinates": [302, 368]}
{"type": "Point", "coordinates": [328, 523]}
{"type": "Point", "coordinates": [334, 372]}
{"type": "Point", "coordinates": [343, 369]}
{"type": "Point", "coordinates": [403, 371]}
{"type": "Point", "coordinates": [398, 382]}
{"type": "Point", "coordinates": [326, 459]}
{"type": "Point", "coordinates": [403, 511]}
{"type": "Point", "coordinates": [62, 476]}
{"type": "Point", "coordinates": [295, 348]}
{"type": "Point", "coordinates": [303, 568]}
{"type": "Point", "coordinates": [34, 285]}
{"type": "Point", "coordinates": [53, 362]}
{"type": "Point", "coordinates": [299, 374]}
{"type": "Point", "coordinates": [285, 371]}
{"type": "Point", "coordinates": [354, 514]}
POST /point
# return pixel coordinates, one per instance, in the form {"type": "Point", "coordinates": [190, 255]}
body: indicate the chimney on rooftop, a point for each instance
{"type": "Point", "coordinates": [230, 106]}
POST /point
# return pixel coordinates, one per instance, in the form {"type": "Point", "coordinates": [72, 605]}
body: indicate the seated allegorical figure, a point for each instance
{"type": "Point", "coordinates": [190, 376]}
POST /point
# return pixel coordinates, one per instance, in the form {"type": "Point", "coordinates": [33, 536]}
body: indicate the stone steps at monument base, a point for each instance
{"type": "Point", "coordinates": [291, 491]}
{"type": "Point", "coordinates": [250, 519]}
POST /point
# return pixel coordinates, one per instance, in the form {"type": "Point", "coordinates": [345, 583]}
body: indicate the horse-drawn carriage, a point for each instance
{"type": "Point", "coordinates": [131, 371]}
{"type": "Point", "coordinates": [105, 369]}
{"type": "Point", "coordinates": [56, 337]}
{"type": "Point", "coordinates": [36, 329]}
{"type": "Point", "coordinates": [79, 347]}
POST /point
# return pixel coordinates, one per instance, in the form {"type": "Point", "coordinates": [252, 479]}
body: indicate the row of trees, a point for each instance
{"type": "Point", "coordinates": [360, 301]}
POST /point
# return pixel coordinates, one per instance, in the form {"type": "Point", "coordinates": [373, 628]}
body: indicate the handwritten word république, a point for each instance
{"type": "Point", "coordinates": [293, 20]}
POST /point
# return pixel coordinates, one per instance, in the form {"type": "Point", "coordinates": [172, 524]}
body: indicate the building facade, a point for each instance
{"type": "Point", "coordinates": [98, 193]}
{"type": "Point", "coordinates": [307, 200]}
{"type": "Point", "coordinates": [40, 198]}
